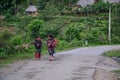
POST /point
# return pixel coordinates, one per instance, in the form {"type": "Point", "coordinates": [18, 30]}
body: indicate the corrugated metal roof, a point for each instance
{"type": "Point", "coordinates": [31, 9]}
{"type": "Point", "coordinates": [84, 3]}
{"type": "Point", "coordinates": [112, 1]}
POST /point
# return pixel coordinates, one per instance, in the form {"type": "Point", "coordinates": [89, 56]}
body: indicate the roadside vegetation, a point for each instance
{"type": "Point", "coordinates": [116, 54]}
{"type": "Point", "coordinates": [73, 26]}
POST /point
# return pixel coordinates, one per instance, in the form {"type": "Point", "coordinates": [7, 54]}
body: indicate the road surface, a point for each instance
{"type": "Point", "coordinates": [78, 64]}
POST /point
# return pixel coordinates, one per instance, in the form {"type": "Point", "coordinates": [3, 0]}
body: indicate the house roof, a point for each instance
{"type": "Point", "coordinates": [112, 1]}
{"type": "Point", "coordinates": [31, 9]}
{"type": "Point", "coordinates": [84, 3]}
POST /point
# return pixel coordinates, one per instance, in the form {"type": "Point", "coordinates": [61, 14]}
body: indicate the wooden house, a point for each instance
{"type": "Point", "coordinates": [31, 10]}
{"type": "Point", "coordinates": [112, 1]}
{"type": "Point", "coordinates": [84, 3]}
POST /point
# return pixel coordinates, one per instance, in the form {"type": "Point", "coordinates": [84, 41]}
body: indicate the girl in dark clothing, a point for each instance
{"type": "Point", "coordinates": [51, 46]}
{"type": "Point", "coordinates": [38, 45]}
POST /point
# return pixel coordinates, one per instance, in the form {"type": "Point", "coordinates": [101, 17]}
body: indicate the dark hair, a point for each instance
{"type": "Point", "coordinates": [50, 35]}
{"type": "Point", "coordinates": [37, 37]}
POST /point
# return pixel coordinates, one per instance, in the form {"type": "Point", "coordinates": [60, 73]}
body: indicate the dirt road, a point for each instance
{"type": "Point", "coordinates": [78, 64]}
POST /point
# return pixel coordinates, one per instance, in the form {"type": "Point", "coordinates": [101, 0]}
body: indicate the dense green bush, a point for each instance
{"type": "Point", "coordinates": [51, 10]}
{"type": "Point", "coordinates": [36, 28]}
{"type": "Point", "coordinates": [23, 23]}
{"type": "Point", "coordinates": [72, 31]}
{"type": "Point", "coordinates": [56, 26]}
{"type": "Point", "coordinates": [62, 45]}
{"type": "Point", "coordinates": [5, 45]}
{"type": "Point", "coordinates": [115, 23]}
{"type": "Point", "coordinates": [116, 39]}
{"type": "Point", "coordinates": [100, 7]}
{"type": "Point", "coordinates": [3, 55]}
{"type": "Point", "coordinates": [5, 36]}
{"type": "Point", "coordinates": [98, 37]}
{"type": "Point", "coordinates": [76, 43]}
{"type": "Point", "coordinates": [17, 40]}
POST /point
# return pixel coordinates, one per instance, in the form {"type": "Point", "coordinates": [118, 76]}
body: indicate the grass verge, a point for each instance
{"type": "Point", "coordinates": [29, 55]}
{"type": "Point", "coordinates": [115, 53]}
{"type": "Point", "coordinates": [15, 57]}
{"type": "Point", "coordinates": [23, 56]}
{"type": "Point", "coordinates": [117, 71]}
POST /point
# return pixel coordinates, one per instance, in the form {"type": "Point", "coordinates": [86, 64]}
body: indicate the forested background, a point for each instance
{"type": "Point", "coordinates": [73, 26]}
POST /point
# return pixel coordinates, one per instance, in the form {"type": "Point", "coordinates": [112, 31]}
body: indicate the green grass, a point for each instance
{"type": "Point", "coordinates": [18, 56]}
{"type": "Point", "coordinates": [15, 57]}
{"type": "Point", "coordinates": [117, 71]}
{"type": "Point", "coordinates": [115, 53]}
{"type": "Point", "coordinates": [27, 55]}
{"type": "Point", "coordinates": [22, 56]}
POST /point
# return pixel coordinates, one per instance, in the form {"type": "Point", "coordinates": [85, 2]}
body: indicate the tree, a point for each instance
{"type": "Point", "coordinates": [72, 31]}
{"type": "Point", "coordinates": [35, 28]}
{"type": "Point", "coordinates": [8, 4]}
{"type": "Point", "coordinates": [115, 23]}
{"type": "Point", "coordinates": [100, 7]}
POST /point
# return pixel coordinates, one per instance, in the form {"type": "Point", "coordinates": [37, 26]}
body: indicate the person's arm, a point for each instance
{"type": "Point", "coordinates": [41, 43]}
{"type": "Point", "coordinates": [48, 43]}
{"type": "Point", "coordinates": [34, 43]}
{"type": "Point", "coordinates": [54, 44]}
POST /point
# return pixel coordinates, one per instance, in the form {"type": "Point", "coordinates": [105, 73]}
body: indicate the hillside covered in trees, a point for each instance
{"type": "Point", "coordinates": [71, 24]}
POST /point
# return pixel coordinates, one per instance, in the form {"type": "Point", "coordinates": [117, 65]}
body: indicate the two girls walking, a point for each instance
{"type": "Point", "coordinates": [51, 43]}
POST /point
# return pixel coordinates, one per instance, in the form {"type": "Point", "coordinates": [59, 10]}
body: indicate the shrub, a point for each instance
{"type": "Point", "coordinates": [16, 40]}
{"type": "Point", "coordinates": [76, 43]}
{"type": "Point", "coordinates": [6, 48]}
{"type": "Point", "coordinates": [100, 7]}
{"type": "Point", "coordinates": [25, 20]}
{"type": "Point", "coordinates": [62, 45]}
{"type": "Point", "coordinates": [114, 53]}
{"type": "Point", "coordinates": [9, 49]}
{"type": "Point", "coordinates": [8, 16]}
{"type": "Point", "coordinates": [3, 55]}
{"type": "Point", "coordinates": [36, 28]}
{"type": "Point", "coordinates": [5, 36]}
{"type": "Point", "coordinates": [116, 39]}
{"type": "Point", "coordinates": [72, 31]}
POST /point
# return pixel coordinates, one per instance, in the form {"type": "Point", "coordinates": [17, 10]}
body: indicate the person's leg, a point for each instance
{"type": "Point", "coordinates": [50, 56]}
{"type": "Point", "coordinates": [35, 54]}
{"type": "Point", "coordinates": [51, 52]}
{"type": "Point", "coordinates": [39, 54]}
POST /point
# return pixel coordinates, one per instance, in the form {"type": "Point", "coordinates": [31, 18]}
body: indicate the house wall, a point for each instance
{"type": "Point", "coordinates": [32, 13]}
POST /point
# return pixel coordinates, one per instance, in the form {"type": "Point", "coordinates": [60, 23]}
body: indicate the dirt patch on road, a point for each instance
{"type": "Point", "coordinates": [105, 75]}
{"type": "Point", "coordinates": [11, 68]}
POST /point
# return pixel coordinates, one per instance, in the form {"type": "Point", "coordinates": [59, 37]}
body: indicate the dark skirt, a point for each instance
{"type": "Point", "coordinates": [51, 51]}
{"type": "Point", "coordinates": [38, 50]}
